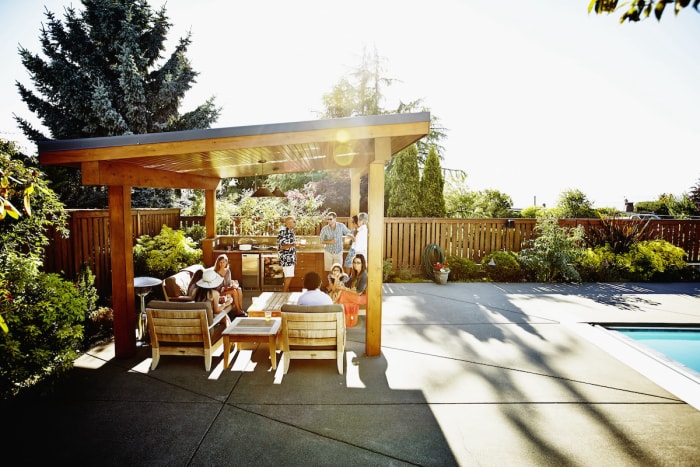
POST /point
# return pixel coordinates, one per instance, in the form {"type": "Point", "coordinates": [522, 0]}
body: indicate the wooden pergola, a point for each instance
{"type": "Point", "coordinates": [199, 159]}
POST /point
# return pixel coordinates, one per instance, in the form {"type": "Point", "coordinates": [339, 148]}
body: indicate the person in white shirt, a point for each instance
{"type": "Point", "coordinates": [313, 295]}
{"type": "Point", "coordinates": [361, 235]}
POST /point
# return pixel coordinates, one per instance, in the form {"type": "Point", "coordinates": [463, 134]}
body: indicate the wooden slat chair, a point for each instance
{"type": "Point", "coordinates": [184, 329]}
{"type": "Point", "coordinates": [313, 332]}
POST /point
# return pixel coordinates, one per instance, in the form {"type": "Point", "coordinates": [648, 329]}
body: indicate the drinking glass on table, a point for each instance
{"type": "Point", "coordinates": [268, 315]}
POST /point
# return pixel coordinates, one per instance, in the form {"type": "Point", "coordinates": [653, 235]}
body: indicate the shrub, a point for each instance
{"type": "Point", "coordinates": [505, 267]}
{"type": "Point", "coordinates": [197, 233]}
{"type": "Point", "coordinates": [552, 255]}
{"type": "Point", "coordinates": [45, 332]}
{"type": "Point", "coordinates": [656, 260]}
{"type": "Point", "coordinates": [99, 321]}
{"type": "Point", "coordinates": [649, 260]}
{"type": "Point", "coordinates": [387, 270]}
{"type": "Point", "coordinates": [165, 254]}
{"type": "Point", "coordinates": [462, 269]}
{"type": "Point", "coordinates": [619, 234]}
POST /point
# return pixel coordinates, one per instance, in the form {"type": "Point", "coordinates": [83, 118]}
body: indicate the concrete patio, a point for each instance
{"type": "Point", "coordinates": [470, 374]}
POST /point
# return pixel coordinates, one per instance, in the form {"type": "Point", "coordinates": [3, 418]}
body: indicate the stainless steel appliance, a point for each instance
{"type": "Point", "coordinates": [250, 271]}
{"type": "Point", "coordinates": [271, 275]}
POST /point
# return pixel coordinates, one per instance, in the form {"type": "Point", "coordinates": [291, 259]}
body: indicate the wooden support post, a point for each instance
{"type": "Point", "coordinates": [375, 211]}
{"type": "Point", "coordinates": [122, 259]}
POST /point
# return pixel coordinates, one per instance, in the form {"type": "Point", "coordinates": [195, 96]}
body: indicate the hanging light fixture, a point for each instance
{"type": "Point", "coordinates": [261, 192]}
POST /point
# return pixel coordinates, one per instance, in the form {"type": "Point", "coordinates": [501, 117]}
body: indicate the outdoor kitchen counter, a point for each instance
{"type": "Point", "coordinates": [308, 259]}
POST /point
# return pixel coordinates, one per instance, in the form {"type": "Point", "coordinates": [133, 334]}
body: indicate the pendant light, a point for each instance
{"type": "Point", "coordinates": [261, 192]}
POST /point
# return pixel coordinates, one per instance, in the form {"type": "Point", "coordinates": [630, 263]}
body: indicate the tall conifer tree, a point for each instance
{"type": "Point", "coordinates": [103, 74]}
{"type": "Point", "coordinates": [404, 197]}
{"type": "Point", "coordinates": [431, 187]}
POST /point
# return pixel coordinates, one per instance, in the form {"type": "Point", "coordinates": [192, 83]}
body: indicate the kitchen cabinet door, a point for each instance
{"type": "Point", "coordinates": [306, 262]}
{"type": "Point", "coordinates": [235, 264]}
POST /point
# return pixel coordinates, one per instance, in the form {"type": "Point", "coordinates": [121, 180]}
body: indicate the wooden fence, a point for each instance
{"type": "Point", "coordinates": [405, 239]}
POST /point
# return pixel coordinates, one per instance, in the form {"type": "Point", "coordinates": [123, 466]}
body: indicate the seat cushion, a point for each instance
{"type": "Point", "coordinates": [179, 306]}
{"type": "Point", "coordinates": [336, 307]}
{"type": "Point", "coordinates": [176, 285]}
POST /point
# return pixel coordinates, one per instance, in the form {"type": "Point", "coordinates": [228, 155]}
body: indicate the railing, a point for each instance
{"type": "Point", "coordinates": [404, 238]}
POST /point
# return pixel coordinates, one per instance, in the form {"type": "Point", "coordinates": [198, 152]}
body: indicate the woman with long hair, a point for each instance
{"type": "Point", "coordinates": [208, 291]}
{"type": "Point", "coordinates": [229, 286]}
{"type": "Point", "coordinates": [354, 295]}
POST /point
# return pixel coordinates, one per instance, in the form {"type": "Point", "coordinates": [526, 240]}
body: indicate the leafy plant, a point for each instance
{"type": "Point", "coordinates": [164, 254]}
{"type": "Point", "coordinates": [45, 331]}
{"type": "Point", "coordinates": [387, 270]}
{"type": "Point", "coordinates": [99, 321]}
{"type": "Point", "coordinates": [618, 234]}
{"type": "Point", "coordinates": [553, 254]}
{"type": "Point", "coordinates": [462, 269]}
{"type": "Point", "coordinates": [502, 266]}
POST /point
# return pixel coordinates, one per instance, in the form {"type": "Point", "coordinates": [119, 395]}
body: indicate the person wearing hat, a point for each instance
{"type": "Point", "coordinates": [208, 291]}
{"type": "Point", "coordinates": [337, 280]}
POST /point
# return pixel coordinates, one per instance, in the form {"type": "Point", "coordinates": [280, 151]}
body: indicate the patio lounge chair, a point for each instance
{"type": "Point", "coordinates": [184, 329]}
{"type": "Point", "coordinates": [313, 332]}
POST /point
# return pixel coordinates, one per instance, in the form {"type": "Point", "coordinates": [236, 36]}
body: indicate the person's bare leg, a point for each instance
{"type": "Point", "coordinates": [287, 281]}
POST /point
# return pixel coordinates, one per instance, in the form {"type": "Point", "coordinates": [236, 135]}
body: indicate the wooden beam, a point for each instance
{"type": "Point", "coordinates": [375, 227]}
{"type": "Point", "coordinates": [114, 173]}
{"type": "Point", "coordinates": [355, 178]}
{"type": "Point", "coordinates": [121, 256]}
{"type": "Point", "coordinates": [209, 225]}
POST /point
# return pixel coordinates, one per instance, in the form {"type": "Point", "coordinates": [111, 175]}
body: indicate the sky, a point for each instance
{"type": "Point", "coordinates": [537, 98]}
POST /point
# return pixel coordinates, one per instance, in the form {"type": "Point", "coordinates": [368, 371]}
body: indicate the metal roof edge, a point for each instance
{"type": "Point", "coordinates": [227, 132]}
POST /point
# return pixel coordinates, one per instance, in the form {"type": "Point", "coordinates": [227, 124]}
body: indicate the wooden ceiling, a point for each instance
{"type": "Point", "coordinates": [201, 158]}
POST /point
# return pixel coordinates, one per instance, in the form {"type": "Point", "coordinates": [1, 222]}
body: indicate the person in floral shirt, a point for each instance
{"type": "Point", "coordinates": [286, 245]}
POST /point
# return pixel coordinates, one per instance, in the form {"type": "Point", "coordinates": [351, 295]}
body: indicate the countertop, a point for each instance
{"type": "Point", "coordinates": [318, 249]}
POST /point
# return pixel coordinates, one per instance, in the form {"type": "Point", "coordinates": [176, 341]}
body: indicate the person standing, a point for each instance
{"type": "Point", "coordinates": [351, 252]}
{"type": "Point", "coordinates": [361, 236]}
{"type": "Point", "coordinates": [332, 240]}
{"type": "Point", "coordinates": [286, 245]}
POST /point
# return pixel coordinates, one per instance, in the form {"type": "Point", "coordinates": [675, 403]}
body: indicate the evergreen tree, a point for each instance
{"type": "Point", "coordinates": [431, 187]}
{"type": "Point", "coordinates": [404, 197]}
{"type": "Point", "coordinates": [103, 75]}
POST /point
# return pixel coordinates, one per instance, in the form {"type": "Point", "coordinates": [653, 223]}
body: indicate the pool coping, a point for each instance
{"type": "Point", "coordinates": [673, 376]}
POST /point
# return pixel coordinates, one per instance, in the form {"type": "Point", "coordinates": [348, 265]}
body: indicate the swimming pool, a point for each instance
{"type": "Point", "coordinates": [679, 344]}
{"type": "Point", "coordinates": [632, 345]}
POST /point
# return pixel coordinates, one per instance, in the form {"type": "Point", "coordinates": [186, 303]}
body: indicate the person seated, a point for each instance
{"type": "Point", "coordinates": [229, 287]}
{"type": "Point", "coordinates": [192, 287]}
{"type": "Point", "coordinates": [313, 295]}
{"type": "Point", "coordinates": [208, 291]}
{"type": "Point", "coordinates": [353, 296]}
{"type": "Point", "coordinates": [337, 280]}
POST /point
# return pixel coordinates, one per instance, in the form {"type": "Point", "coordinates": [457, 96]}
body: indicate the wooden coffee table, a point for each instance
{"type": "Point", "coordinates": [252, 330]}
{"type": "Point", "coordinates": [272, 301]}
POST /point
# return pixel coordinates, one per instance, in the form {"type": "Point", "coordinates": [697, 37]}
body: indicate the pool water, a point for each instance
{"type": "Point", "coordinates": [679, 344]}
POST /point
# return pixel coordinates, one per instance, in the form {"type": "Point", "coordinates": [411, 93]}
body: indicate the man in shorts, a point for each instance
{"type": "Point", "coordinates": [332, 240]}
{"type": "Point", "coordinates": [286, 245]}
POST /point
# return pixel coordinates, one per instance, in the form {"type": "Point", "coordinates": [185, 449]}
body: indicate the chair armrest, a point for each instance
{"type": "Point", "coordinates": [217, 318]}
{"type": "Point", "coordinates": [181, 299]}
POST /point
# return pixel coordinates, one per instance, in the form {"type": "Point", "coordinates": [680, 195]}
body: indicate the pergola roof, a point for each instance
{"type": "Point", "coordinates": [200, 158]}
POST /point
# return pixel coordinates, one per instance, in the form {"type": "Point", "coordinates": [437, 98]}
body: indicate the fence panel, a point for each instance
{"type": "Point", "coordinates": [404, 239]}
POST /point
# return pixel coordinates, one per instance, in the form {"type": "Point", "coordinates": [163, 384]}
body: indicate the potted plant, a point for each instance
{"type": "Point", "coordinates": [441, 272]}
